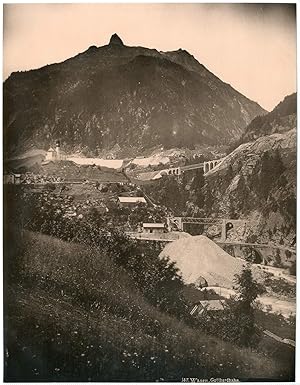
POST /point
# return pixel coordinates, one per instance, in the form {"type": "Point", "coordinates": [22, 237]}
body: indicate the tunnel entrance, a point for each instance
{"type": "Point", "coordinates": [253, 255]}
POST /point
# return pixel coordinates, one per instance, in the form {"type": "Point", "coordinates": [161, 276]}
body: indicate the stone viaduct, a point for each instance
{"type": "Point", "coordinates": [207, 166]}
{"type": "Point", "coordinates": [223, 223]}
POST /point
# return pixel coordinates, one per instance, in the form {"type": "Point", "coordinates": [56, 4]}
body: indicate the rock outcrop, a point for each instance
{"type": "Point", "coordinates": [257, 180]}
{"type": "Point", "coordinates": [115, 40]}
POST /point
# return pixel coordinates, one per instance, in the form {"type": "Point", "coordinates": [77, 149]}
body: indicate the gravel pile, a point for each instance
{"type": "Point", "coordinates": [199, 256]}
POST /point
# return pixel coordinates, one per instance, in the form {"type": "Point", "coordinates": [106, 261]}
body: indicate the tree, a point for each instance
{"type": "Point", "coordinates": [157, 278]}
{"type": "Point", "coordinates": [278, 165]}
{"type": "Point", "coordinates": [198, 181]}
{"type": "Point", "coordinates": [209, 200]}
{"type": "Point", "coordinates": [231, 210]}
{"type": "Point", "coordinates": [292, 268]}
{"type": "Point", "coordinates": [242, 204]}
{"type": "Point", "coordinates": [229, 173]}
{"type": "Point", "coordinates": [196, 189]}
{"type": "Point", "coordinates": [170, 193]}
{"type": "Point", "coordinates": [272, 169]}
{"type": "Point", "coordinates": [243, 307]}
{"type": "Point", "coordinates": [266, 174]}
{"type": "Point", "coordinates": [248, 288]}
{"type": "Point", "coordinates": [185, 178]}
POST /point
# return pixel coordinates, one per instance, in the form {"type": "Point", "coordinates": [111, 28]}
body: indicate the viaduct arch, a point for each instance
{"type": "Point", "coordinates": [223, 223]}
{"type": "Point", "coordinates": [207, 166]}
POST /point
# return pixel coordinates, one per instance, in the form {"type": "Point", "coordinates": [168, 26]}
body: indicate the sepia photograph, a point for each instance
{"type": "Point", "coordinates": [149, 192]}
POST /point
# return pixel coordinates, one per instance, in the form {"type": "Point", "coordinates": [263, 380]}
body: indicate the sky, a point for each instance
{"type": "Point", "coordinates": [250, 46]}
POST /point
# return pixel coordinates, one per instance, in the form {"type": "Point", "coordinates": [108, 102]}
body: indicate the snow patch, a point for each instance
{"type": "Point", "coordinates": [109, 163]}
{"type": "Point", "coordinates": [153, 160]}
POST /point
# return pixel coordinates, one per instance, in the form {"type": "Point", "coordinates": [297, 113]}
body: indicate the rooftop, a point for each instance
{"type": "Point", "coordinates": [132, 199]}
{"type": "Point", "coordinates": [212, 304]}
{"type": "Point", "coordinates": [154, 225]}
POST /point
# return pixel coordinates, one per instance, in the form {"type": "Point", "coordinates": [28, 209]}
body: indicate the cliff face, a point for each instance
{"type": "Point", "coordinates": [131, 97]}
{"type": "Point", "coordinates": [258, 179]}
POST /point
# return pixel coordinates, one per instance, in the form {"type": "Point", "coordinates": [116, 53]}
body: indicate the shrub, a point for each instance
{"type": "Point", "coordinates": [156, 278]}
{"type": "Point", "coordinates": [281, 286]}
{"type": "Point", "coordinates": [292, 268]}
{"type": "Point", "coordinates": [236, 323]}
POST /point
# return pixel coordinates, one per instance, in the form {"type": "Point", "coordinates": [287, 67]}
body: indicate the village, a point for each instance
{"type": "Point", "coordinates": [80, 186]}
{"type": "Point", "coordinates": [77, 188]}
{"type": "Point", "coordinates": [77, 191]}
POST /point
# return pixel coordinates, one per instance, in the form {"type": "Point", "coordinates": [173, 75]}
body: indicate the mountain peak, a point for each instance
{"type": "Point", "coordinates": [115, 80]}
{"type": "Point", "coordinates": [115, 40]}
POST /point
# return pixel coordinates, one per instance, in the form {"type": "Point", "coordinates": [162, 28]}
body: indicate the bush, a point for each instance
{"type": "Point", "coordinates": [156, 278]}
{"type": "Point", "coordinates": [236, 323]}
{"type": "Point", "coordinates": [292, 268]}
{"type": "Point", "coordinates": [281, 286]}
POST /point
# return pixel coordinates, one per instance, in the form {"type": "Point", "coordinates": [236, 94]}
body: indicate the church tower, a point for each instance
{"type": "Point", "coordinates": [57, 149]}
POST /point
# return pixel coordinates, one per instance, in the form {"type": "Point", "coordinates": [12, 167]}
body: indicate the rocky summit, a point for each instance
{"type": "Point", "coordinates": [133, 97]}
{"type": "Point", "coordinates": [115, 40]}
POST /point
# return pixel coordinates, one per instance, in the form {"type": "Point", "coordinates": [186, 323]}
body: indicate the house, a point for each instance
{"type": "Point", "coordinates": [211, 307]}
{"type": "Point", "coordinates": [8, 178]}
{"type": "Point", "coordinates": [131, 201]}
{"type": "Point", "coordinates": [17, 178]}
{"type": "Point", "coordinates": [51, 154]}
{"type": "Point", "coordinates": [155, 228]}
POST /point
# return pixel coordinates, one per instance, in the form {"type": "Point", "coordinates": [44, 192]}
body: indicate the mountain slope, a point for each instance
{"type": "Point", "coordinates": [258, 179]}
{"type": "Point", "coordinates": [131, 96]}
{"type": "Point", "coordinates": [281, 119]}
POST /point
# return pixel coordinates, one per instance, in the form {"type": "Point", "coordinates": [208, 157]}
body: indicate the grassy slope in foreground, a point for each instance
{"type": "Point", "coordinates": [71, 314]}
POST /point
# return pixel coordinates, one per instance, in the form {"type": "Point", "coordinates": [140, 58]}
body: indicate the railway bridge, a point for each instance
{"type": "Point", "coordinates": [266, 254]}
{"type": "Point", "coordinates": [225, 224]}
{"type": "Point", "coordinates": [206, 166]}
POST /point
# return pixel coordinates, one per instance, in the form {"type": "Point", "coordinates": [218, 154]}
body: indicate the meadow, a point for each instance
{"type": "Point", "coordinates": [73, 314]}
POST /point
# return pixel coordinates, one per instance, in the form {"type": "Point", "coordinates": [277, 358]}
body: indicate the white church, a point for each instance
{"type": "Point", "coordinates": [55, 155]}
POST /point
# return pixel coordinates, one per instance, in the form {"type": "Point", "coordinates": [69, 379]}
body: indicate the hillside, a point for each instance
{"type": "Point", "coordinates": [258, 179]}
{"type": "Point", "coordinates": [281, 119]}
{"type": "Point", "coordinates": [123, 99]}
{"type": "Point", "coordinates": [88, 322]}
